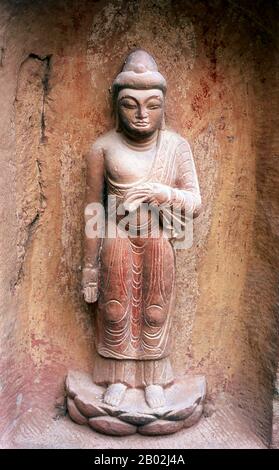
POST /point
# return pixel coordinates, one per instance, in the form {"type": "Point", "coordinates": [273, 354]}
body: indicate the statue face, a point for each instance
{"type": "Point", "coordinates": [140, 111]}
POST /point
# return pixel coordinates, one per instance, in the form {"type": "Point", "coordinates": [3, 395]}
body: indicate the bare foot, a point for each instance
{"type": "Point", "coordinates": [154, 396]}
{"type": "Point", "coordinates": [115, 394]}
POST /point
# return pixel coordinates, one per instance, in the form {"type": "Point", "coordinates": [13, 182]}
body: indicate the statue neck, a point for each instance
{"type": "Point", "coordinates": [142, 145]}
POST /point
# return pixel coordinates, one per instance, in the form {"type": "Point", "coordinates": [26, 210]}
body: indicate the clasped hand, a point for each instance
{"type": "Point", "coordinates": [155, 194]}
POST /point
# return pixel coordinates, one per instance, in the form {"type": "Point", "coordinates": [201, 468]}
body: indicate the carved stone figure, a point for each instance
{"type": "Point", "coordinates": [146, 171]}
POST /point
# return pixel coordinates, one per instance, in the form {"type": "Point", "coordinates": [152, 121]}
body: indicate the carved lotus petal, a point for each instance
{"type": "Point", "coordinates": [181, 413]}
{"type": "Point", "coordinates": [75, 413]}
{"type": "Point", "coordinates": [161, 427]}
{"type": "Point", "coordinates": [112, 426]}
{"type": "Point", "coordinates": [85, 404]}
{"type": "Point", "coordinates": [137, 419]}
{"type": "Point", "coordinates": [194, 418]}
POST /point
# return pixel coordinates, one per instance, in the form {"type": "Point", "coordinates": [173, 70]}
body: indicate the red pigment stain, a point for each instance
{"type": "Point", "coordinates": [204, 88]}
{"type": "Point", "coordinates": [189, 123]}
{"type": "Point", "coordinates": [53, 351]}
{"type": "Point", "coordinates": [200, 97]}
{"type": "Point", "coordinates": [37, 342]}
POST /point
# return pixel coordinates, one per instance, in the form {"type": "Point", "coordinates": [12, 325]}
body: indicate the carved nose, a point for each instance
{"type": "Point", "coordinates": [141, 113]}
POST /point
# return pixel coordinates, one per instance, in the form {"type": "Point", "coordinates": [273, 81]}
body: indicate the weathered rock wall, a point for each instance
{"type": "Point", "coordinates": [58, 59]}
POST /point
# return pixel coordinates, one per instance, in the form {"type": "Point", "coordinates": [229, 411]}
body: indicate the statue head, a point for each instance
{"type": "Point", "coordinates": [138, 95]}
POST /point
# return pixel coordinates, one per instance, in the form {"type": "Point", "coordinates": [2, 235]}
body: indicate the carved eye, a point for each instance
{"type": "Point", "coordinates": [154, 106]}
{"type": "Point", "coordinates": [127, 105]}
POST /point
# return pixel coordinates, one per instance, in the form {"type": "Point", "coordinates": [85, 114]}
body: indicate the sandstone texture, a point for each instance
{"type": "Point", "coordinates": [57, 61]}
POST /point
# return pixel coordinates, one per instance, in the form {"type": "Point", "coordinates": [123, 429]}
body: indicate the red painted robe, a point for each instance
{"type": "Point", "coordinates": [137, 275]}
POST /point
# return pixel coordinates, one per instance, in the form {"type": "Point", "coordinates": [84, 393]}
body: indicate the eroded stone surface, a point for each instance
{"type": "Point", "coordinates": [195, 385]}
{"type": "Point", "coordinates": [77, 381]}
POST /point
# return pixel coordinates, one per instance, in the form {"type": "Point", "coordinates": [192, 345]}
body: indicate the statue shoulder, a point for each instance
{"type": "Point", "coordinates": [103, 142]}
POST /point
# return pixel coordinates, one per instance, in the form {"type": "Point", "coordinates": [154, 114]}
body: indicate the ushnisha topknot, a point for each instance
{"type": "Point", "coordinates": [140, 72]}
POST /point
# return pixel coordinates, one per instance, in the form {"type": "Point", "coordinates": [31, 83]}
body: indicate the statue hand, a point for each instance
{"type": "Point", "coordinates": [161, 194]}
{"type": "Point", "coordinates": [153, 193]}
{"type": "Point", "coordinates": [90, 294]}
{"type": "Point", "coordinates": [90, 284]}
{"type": "Point", "coordinates": [136, 195]}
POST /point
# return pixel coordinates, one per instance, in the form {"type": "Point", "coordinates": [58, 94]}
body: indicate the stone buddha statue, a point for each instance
{"type": "Point", "coordinates": [146, 170]}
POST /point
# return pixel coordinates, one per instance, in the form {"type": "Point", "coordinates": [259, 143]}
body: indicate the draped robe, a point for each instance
{"type": "Point", "coordinates": [137, 275]}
